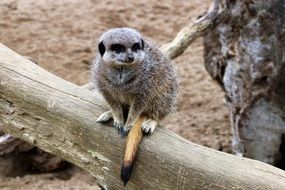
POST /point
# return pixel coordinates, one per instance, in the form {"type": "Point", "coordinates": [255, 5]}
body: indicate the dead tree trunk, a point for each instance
{"type": "Point", "coordinates": [244, 54]}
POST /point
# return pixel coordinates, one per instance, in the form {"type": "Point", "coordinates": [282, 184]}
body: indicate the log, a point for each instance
{"type": "Point", "coordinates": [60, 118]}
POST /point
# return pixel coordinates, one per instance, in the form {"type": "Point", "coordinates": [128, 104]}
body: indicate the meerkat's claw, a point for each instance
{"type": "Point", "coordinates": [105, 117]}
{"type": "Point", "coordinates": [149, 126]}
{"type": "Point", "coordinates": [123, 131]}
{"type": "Point", "coordinates": [118, 124]}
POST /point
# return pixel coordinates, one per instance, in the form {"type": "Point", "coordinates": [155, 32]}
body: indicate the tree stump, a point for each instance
{"type": "Point", "coordinates": [244, 54]}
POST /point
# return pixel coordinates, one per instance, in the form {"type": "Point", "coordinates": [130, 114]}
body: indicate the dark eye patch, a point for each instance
{"type": "Point", "coordinates": [118, 48]}
{"type": "Point", "coordinates": [136, 47]}
{"type": "Point", "coordinates": [101, 48]}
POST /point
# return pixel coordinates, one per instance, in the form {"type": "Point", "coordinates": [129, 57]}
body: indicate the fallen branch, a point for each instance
{"type": "Point", "coordinates": [192, 31]}
{"type": "Point", "coordinates": [60, 118]}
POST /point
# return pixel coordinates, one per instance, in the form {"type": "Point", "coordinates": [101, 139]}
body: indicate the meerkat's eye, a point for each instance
{"type": "Point", "coordinates": [118, 48]}
{"type": "Point", "coordinates": [136, 47]}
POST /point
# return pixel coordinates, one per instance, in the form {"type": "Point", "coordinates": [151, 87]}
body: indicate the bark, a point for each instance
{"type": "Point", "coordinates": [244, 54]}
{"type": "Point", "coordinates": [36, 159]}
{"type": "Point", "coordinates": [60, 118]}
{"type": "Point", "coordinates": [8, 144]}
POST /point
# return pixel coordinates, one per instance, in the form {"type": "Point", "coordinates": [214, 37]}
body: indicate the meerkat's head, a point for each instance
{"type": "Point", "coordinates": [121, 47]}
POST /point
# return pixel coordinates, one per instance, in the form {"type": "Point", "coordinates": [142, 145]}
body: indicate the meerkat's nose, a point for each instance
{"type": "Point", "coordinates": [130, 58]}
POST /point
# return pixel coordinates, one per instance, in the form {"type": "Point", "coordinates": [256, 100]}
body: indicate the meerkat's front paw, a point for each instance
{"type": "Point", "coordinates": [105, 117]}
{"type": "Point", "coordinates": [123, 131]}
{"type": "Point", "coordinates": [118, 124]}
{"type": "Point", "coordinates": [149, 126]}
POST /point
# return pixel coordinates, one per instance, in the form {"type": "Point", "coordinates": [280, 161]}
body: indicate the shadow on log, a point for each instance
{"type": "Point", "coordinates": [60, 118]}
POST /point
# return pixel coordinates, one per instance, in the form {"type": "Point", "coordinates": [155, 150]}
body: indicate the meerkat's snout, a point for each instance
{"type": "Point", "coordinates": [129, 58]}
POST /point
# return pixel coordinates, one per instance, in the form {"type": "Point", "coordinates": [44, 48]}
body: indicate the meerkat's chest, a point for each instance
{"type": "Point", "coordinates": [121, 76]}
{"type": "Point", "coordinates": [123, 98]}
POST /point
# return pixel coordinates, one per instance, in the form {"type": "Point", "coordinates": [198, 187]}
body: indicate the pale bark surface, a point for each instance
{"type": "Point", "coordinates": [9, 144]}
{"type": "Point", "coordinates": [60, 118]}
{"type": "Point", "coordinates": [244, 53]}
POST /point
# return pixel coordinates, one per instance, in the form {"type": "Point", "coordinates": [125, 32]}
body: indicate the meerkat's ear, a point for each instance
{"type": "Point", "coordinates": [142, 44]}
{"type": "Point", "coordinates": [101, 48]}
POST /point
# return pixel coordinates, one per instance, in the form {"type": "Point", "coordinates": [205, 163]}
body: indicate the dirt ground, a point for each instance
{"type": "Point", "coordinates": [61, 37]}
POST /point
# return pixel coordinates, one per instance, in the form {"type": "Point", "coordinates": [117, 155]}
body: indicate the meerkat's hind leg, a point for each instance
{"type": "Point", "coordinates": [149, 125]}
{"type": "Point", "coordinates": [105, 117]}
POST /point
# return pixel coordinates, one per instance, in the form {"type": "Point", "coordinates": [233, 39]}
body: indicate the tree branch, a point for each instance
{"type": "Point", "coordinates": [60, 118]}
{"type": "Point", "coordinates": [192, 31]}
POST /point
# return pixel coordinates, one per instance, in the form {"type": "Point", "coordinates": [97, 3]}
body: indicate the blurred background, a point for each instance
{"type": "Point", "coordinates": [61, 37]}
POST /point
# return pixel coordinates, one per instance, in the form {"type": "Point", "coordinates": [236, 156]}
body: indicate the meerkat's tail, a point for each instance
{"type": "Point", "coordinates": [132, 145]}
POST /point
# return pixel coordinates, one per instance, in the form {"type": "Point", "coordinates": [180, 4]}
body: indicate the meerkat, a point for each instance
{"type": "Point", "coordinates": [138, 82]}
